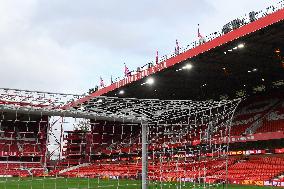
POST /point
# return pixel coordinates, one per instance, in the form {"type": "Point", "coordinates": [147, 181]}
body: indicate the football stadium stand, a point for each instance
{"type": "Point", "coordinates": [259, 163]}
{"type": "Point", "coordinates": [213, 143]}
{"type": "Point", "coordinates": [23, 145]}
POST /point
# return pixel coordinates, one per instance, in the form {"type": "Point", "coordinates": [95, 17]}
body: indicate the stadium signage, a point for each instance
{"type": "Point", "coordinates": [253, 182]}
{"type": "Point", "coordinates": [247, 152]}
{"type": "Point", "coordinates": [273, 183]}
{"type": "Point", "coordinates": [279, 151]}
{"type": "Point", "coordinates": [258, 182]}
{"type": "Point", "coordinates": [141, 74]}
{"type": "Point", "coordinates": [235, 153]}
{"type": "Point", "coordinates": [185, 179]}
{"type": "Point", "coordinates": [253, 137]}
{"type": "Point", "coordinates": [10, 153]}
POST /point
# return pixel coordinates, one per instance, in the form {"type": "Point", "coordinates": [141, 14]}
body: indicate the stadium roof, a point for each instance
{"type": "Point", "coordinates": [104, 108]}
{"type": "Point", "coordinates": [248, 58]}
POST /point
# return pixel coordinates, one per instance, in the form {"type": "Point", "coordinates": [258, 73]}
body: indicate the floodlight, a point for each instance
{"type": "Point", "coordinates": [187, 67]}
{"type": "Point", "coordinates": [240, 46]}
{"type": "Point", "coordinates": [150, 81]}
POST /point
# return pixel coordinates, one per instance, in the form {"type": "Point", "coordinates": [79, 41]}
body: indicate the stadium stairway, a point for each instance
{"type": "Point", "coordinates": [73, 168]}
{"type": "Point", "coordinates": [259, 122]}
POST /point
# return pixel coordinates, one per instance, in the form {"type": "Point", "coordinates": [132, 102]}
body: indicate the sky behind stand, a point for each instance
{"type": "Point", "coordinates": [66, 45]}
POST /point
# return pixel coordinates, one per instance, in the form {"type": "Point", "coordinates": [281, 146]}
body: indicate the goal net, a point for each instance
{"type": "Point", "coordinates": [191, 151]}
{"type": "Point", "coordinates": [112, 142]}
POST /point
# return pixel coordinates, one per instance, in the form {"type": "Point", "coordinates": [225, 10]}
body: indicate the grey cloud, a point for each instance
{"type": "Point", "coordinates": [117, 25]}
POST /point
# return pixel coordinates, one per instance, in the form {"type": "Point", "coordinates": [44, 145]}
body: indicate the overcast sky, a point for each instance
{"type": "Point", "coordinates": [66, 45]}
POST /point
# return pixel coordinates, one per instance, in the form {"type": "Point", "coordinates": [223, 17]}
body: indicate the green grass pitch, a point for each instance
{"type": "Point", "coordinates": [81, 183]}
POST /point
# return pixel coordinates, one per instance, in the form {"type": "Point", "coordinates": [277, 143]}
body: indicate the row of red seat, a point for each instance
{"type": "Point", "coordinates": [255, 168]}
{"type": "Point", "coordinates": [21, 168]}
{"type": "Point", "coordinates": [13, 149]}
{"type": "Point", "coordinates": [12, 165]}
{"type": "Point", "coordinates": [271, 126]}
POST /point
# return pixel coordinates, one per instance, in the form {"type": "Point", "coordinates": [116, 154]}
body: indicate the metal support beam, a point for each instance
{"type": "Point", "coordinates": [68, 113]}
{"type": "Point", "coordinates": [144, 155]}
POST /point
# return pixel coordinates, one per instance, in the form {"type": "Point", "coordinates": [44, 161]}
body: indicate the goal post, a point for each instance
{"type": "Point", "coordinates": [141, 142]}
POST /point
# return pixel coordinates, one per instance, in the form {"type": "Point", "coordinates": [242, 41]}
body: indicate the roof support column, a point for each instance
{"type": "Point", "coordinates": [144, 155]}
